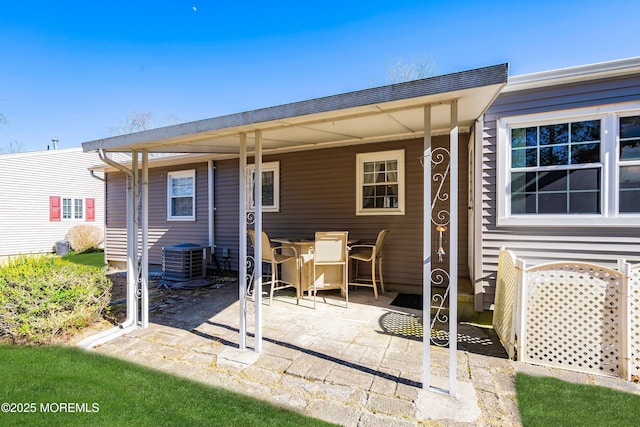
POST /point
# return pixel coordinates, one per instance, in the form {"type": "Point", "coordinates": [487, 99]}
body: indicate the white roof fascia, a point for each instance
{"type": "Point", "coordinates": [577, 74]}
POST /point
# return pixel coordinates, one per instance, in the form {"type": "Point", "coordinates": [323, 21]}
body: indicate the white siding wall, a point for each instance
{"type": "Point", "coordinates": [26, 182]}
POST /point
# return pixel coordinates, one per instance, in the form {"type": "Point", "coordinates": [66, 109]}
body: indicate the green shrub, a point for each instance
{"type": "Point", "coordinates": [84, 237]}
{"type": "Point", "coordinates": [44, 297]}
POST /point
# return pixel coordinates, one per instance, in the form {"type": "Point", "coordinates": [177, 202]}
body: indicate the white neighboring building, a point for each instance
{"type": "Point", "coordinates": [45, 193]}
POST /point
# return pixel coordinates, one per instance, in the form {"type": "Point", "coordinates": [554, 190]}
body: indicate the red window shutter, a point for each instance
{"type": "Point", "coordinates": [90, 213]}
{"type": "Point", "coordinates": [54, 208]}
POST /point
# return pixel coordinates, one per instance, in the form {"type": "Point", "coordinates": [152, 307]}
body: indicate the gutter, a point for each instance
{"type": "Point", "coordinates": [601, 70]}
{"type": "Point", "coordinates": [114, 164]}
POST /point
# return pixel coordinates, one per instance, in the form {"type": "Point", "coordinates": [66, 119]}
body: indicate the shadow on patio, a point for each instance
{"type": "Point", "coordinates": [332, 363]}
{"type": "Point", "coordinates": [376, 324]}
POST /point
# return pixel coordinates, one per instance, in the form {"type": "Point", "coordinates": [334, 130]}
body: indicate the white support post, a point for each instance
{"type": "Point", "coordinates": [130, 273]}
{"type": "Point", "coordinates": [211, 216]}
{"type": "Point", "coordinates": [132, 241]}
{"type": "Point", "coordinates": [624, 328]}
{"type": "Point", "coordinates": [426, 249]}
{"type": "Point", "coordinates": [242, 256]}
{"type": "Point", "coordinates": [145, 240]}
{"type": "Point", "coordinates": [453, 249]}
{"type": "Point", "coordinates": [257, 250]}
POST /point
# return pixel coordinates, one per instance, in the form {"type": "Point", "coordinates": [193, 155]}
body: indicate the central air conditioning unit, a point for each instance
{"type": "Point", "coordinates": [184, 262]}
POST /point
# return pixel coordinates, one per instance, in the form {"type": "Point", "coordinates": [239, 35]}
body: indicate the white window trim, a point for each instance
{"type": "Point", "coordinates": [361, 159]}
{"type": "Point", "coordinates": [73, 209]}
{"type": "Point", "coordinates": [265, 167]}
{"type": "Point", "coordinates": [181, 174]}
{"type": "Point", "coordinates": [609, 115]}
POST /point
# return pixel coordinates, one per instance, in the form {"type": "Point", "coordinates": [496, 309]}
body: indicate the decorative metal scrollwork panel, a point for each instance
{"type": "Point", "coordinates": [440, 218]}
{"type": "Point", "coordinates": [250, 217]}
{"type": "Point", "coordinates": [440, 202]}
{"type": "Point", "coordinates": [250, 266]}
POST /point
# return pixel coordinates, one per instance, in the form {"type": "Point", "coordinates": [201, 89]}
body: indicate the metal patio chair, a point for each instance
{"type": "Point", "coordinates": [274, 256]}
{"type": "Point", "coordinates": [369, 254]}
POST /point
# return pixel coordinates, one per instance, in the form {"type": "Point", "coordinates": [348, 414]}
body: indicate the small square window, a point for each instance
{"type": "Point", "coordinates": [380, 183]}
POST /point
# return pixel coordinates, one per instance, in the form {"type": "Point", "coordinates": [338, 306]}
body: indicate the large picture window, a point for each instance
{"type": "Point", "coordinates": [270, 186]}
{"type": "Point", "coordinates": [584, 170]}
{"type": "Point", "coordinates": [556, 168]}
{"type": "Point", "coordinates": [380, 183]}
{"type": "Point", "coordinates": [181, 195]}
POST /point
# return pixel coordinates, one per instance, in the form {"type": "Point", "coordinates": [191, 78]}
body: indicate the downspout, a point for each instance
{"type": "Point", "coordinates": [130, 323]}
{"type": "Point", "coordinates": [104, 219]}
{"type": "Point", "coordinates": [211, 167]}
{"type": "Point", "coordinates": [93, 174]}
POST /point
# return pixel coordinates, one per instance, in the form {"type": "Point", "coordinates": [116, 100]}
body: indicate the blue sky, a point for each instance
{"type": "Point", "coordinates": [72, 70]}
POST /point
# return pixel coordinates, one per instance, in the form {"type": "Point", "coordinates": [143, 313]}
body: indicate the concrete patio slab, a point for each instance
{"type": "Point", "coordinates": [340, 365]}
{"type": "Point", "coordinates": [463, 408]}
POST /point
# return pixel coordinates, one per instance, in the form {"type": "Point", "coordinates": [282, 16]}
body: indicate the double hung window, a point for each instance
{"type": "Point", "coordinates": [270, 186]}
{"type": "Point", "coordinates": [181, 195]}
{"type": "Point", "coordinates": [629, 163]}
{"type": "Point", "coordinates": [380, 183]}
{"type": "Point", "coordinates": [581, 169]}
{"type": "Point", "coordinates": [556, 168]}
{"type": "Point", "coordinates": [72, 209]}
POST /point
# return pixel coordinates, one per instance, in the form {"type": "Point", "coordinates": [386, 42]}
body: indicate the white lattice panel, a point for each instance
{"type": "Point", "coordinates": [504, 311]}
{"type": "Point", "coordinates": [634, 318]}
{"type": "Point", "coordinates": [572, 317]}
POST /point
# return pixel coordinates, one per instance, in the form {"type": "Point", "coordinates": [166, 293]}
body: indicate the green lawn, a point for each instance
{"type": "Point", "coordinates": [545, 401]}
{"type": "Point", "coordinates": [93, 259]}
{"type": "Point", "coordinates": [117, 393]}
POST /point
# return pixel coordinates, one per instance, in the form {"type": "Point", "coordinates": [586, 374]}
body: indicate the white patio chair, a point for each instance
{"type": "Point", "coordinates": [330, 250]}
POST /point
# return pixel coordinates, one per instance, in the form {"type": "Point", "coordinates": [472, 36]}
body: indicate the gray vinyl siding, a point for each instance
{"type": "Point", "coordinates": [28, 179]}
{"type": "Point", "coordinates": [161, 232]}
{"type": "Point", "coordinates": [543, 244]}
{"type": "Point", "coordinates": [317, 192]}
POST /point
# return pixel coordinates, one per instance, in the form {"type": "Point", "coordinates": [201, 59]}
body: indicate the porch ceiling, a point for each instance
{"type": "Point", "coordinates": [377, 114]}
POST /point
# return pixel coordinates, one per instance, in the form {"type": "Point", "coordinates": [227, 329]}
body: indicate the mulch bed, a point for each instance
{"type": "Point", "coordinates": [161, 293]}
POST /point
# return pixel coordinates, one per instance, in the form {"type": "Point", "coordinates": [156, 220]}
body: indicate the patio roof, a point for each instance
{"type": "Point", "coordinates": [383, 113]}
{"type": "Point", "coordinates": [442, 104]}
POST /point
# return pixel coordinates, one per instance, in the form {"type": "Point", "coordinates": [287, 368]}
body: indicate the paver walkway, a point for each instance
{"type": "Point", "coordinates": [340, 365]}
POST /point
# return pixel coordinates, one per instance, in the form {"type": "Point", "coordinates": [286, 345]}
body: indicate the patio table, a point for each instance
{"type": "Point", "coordinates": [328, 273]}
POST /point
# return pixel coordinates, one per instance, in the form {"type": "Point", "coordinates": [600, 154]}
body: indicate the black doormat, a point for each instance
{"type": "Point", "coordinates": [408, 301]}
